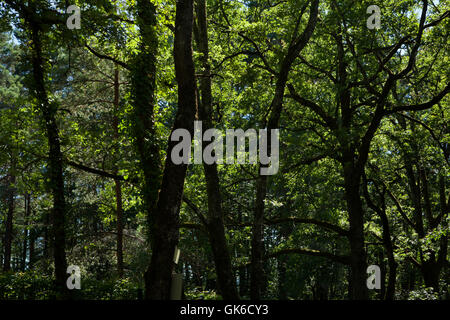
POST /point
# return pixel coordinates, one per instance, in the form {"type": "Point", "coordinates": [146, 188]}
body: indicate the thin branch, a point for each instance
{"type": "Point", "coordinates": [195, 209]}
{"type": "Point", "coordinates": [421, 106]}
{"type": "Point", "coordinates": [95, 171]}
{"type": "Point", "coordinates": [106, 57]}
{"type": "Point", "coordinates": [330, 121]}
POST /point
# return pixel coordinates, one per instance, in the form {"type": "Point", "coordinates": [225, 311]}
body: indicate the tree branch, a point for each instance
{"type": "Point", "coordinates": [323, 224]}
{"type": "Point", "coordinates": [337, 258]}
{"type": "Point", "coordinates": [106, 57]}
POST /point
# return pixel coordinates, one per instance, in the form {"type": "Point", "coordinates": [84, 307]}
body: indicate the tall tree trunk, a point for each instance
{"type": "Point", "coordinates": [392, 264]}
{"type": "Point", "coordinates": [430, 272]}
{"type": "Point", "coordinates": [55, 160]}
{"type": "Point", "coordinates": [358, 265]}
{"type": "Point", "coordinates": [31, 255]}
{"type": "Point", "coordinates": [216, 229]}
{"type": "Point", "coordinates": [281, 266]}
{"type": "Point", "coordinates": [165, 228]}
{"type": "Point", "coordinates": [27, 199]}
{"type": "Point", "coordinates": [117, 183]}
{"type": "Point", "coordinates": [258, 278]}
{"type": "Point", "coordinates": [46, 249]}
{"type": "Point", "coordinates": [143, 93]}
{"type": "Point", "coordinates": [389, 292]}
{"type": "Point", "coordinates": [9, 223]}
{"type": "Point", "coordinates": [243, 281]}
{"type": "Point", "coordinates": [119, 212]}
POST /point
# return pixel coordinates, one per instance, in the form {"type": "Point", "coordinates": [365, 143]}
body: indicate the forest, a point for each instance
{"type": "Point", "coordinates": [335, 185]}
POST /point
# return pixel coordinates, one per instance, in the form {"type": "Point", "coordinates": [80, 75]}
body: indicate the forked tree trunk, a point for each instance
{"type": "Point", "coordinates": [258, 278]}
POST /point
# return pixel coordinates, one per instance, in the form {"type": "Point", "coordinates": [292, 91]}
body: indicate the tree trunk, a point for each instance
{"type": "Point", "coordinates": [165, 229]}
{"type": "Point", "coordinates": [55, 160]}
{"type": "Point", "coordinates": [27, 208]}
{"type": "Point", "coordinates": [119, 211]}
{"type": "Point", "coordinates": [117, 183]}
{"type": "Point", "coordinates": [9, 223]}
{"type": "Point", "coordinates": [143, 91]}
{"type": "Point", "coordinates": [216, 229]}
{"type": "Point", "coordinates": [358, 265]}
{"type": "Point", "coordinates": [46, 250]}
{"type": "Point", "coordinates": [392, 276]}
{"type": "Point", "coordinates": [430, 271]}
{"type": "Point", "coordinates": [258, 278]}
{"type": "Point", "coordinates": [243, 281]}
{"type": "Point", "coordinates": [31, 254]}
{"type": "Point", "coordinates": [281, 263]}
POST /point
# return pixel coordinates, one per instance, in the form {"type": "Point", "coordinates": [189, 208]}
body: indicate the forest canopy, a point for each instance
{"type": "Point", "coordinates": [343, 104]}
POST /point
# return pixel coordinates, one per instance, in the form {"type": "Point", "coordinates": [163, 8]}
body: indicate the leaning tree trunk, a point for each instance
{"type": "Point", "coordinates": [216, 229]}
{"type": "Point", "coordinates": [55, 160]}
{"type": "Point", "coordinates": [165, 228]}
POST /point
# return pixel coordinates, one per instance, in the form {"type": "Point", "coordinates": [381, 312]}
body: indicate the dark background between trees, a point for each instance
{"type": "Point", "coordinates": [86, 115]}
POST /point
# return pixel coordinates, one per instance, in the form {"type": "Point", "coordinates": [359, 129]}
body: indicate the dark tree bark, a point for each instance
{"type": "Point", "coordinates": [243, 281]}
{"type": "Point", "coordinates": [389, 291]}
{"type": "Point", "coordinates": [216, 229]}
{"type": "Point", "coordinates": [9, 223]}
{"type": "Point", "coordinates": [55, 159]}
{"type": "Point", "coordinates": [27, 207]}
{"type": "Point", "coordinates": [46, 249]}
{"type": "Point", "coordinates": [165, 229]}
{"type": "Point", "coordinates": [143, 93]}
{"type": "Point", "coordinates": [281, 266]}
{"type": "Point", "coordinates": [117, 182]}
{"type": "Point", "coordinates": [31, 254]}
{"type": "Point", "coordinates": [119, 227]}
{"type": "Point", "coordinates": [258, 278]}
{"type": "Point", "coordinates": [392, 264]}
{"type": "Point", "coordinates": [358, 263]}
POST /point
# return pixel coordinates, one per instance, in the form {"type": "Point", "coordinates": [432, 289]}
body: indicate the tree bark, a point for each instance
{"type": "Point", "coordinates": [27, 199]}
{"type": "Point", "coordinates": [9, 223]}
{"type": "Point", "coordinates": [216, 229]}
{"type": "Point", "coordinates": [358, 263]}
{"type": "Point", "coordinates": [165, 230]}
{"type": "Point", "coordinates": [143, 93]}
{"type": "Point", "coordinates": [117, 182]}
{"type": "Point", "coordinates": [389, 292]}
{"type": "Point", "coordinates": [55, 160]}
{"type": "Point", "coordinates": [31, 255]}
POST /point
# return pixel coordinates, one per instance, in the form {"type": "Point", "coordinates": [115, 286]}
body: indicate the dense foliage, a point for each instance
{"type": "Point", "coordinates": [86, 177]}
